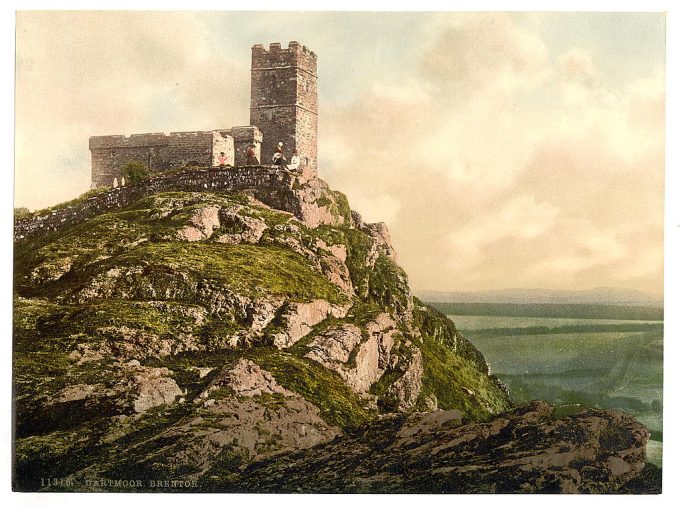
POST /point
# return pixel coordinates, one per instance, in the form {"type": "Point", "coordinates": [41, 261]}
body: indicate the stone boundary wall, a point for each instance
{"type": "Point", "coordinates": [271, 185]}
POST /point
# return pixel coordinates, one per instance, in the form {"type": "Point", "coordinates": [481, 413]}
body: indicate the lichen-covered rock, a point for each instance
{"type": "Point", "coordinates": [262, 311]}
{"type": "Point", "coordinates": [383, 241]}
{"type": "Point", "coordinates": [240, 228]}
{"type": "Point", "coordinates": [133, 388]}
{"type": "Point", "coordinates": [298, 318]}
{"type": "Point", "coordinates": [51, 270]}
{"type": "Point", "coordinates": [244, 414]}
{"type": "Point", "coordinates": [152, 387]}
{"type": "Point", "coordinates": [317, 205]}
{"type": "Point", "coordinates": [361, 358]}
{"type": "Point", "coordinates": [201, 224]}
{"type": "Point", "coordinates": [333, 347]}
{"type": "Point", "coordinates": [245, 379]}
{"type": "Point", "coordinates": [76, 392]}
{"type": "Point", "coordinates": [245, 428]}
{"type": "Point", "coordinates": [407, 388]}
{"type": "Point", "coordinates": [522, 451]}
{"type": "Point", "coordinates": [337, 272]}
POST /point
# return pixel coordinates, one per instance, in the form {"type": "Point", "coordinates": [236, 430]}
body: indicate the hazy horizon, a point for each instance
{"type": "Point", "coordinates": [501, 289]}
{"type": "Point", "coordinates": [530, 296]}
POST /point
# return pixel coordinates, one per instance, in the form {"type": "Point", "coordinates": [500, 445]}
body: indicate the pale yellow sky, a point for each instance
{"type": "Point", "coordinates": [503, 150]}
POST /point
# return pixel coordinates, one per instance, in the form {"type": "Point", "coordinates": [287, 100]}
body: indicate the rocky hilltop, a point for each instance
{"type": "Point", "coordinates": [216, 339]}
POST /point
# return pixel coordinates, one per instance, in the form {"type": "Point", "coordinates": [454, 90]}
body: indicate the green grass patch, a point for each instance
{"type": "Point", "coordinates": [447, 376]}
{"type": "Point", "coordinates": [252, 270]}
{"type": "Point", "coordinates": [338, 404]}
{"type": "Point", "coordinates": [162, 319]}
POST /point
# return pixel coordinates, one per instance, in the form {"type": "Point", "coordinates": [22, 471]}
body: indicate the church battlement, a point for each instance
{"type": "Point", "coordinates": [277, 57]}
{"type": "Point", "coordinates": [283, 108]}
{"type": "Point", "coordinates": [157, 138]}
{"type": "Point", "coordinates": [293, 47]}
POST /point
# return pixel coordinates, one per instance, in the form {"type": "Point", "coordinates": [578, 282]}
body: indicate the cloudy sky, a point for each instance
{"type": "Point", "coordinates": [502, 150]}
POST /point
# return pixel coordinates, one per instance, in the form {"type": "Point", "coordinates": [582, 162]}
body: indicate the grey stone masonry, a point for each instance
{"type": "Point", "coordinates": [284, 102]}
{"type": "Point", "coordinates": [245, 137]}
{"type": "Point", "coordinates": [159, 152]}
{"type": "Point", "coordinates": [283, 108]}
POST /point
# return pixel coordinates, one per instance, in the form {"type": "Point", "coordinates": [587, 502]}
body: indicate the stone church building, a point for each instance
{"type": "Point", "coordinates": [283, 108]}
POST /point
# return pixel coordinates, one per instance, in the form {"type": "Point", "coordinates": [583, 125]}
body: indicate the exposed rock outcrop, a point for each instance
{"type": "Point", "coordinates": [383, 241]}
{"type": "Point", "coordinates": [201, 224]}
{"type": "Point", "coordinates": [245, 379]}
{"type": "Point", "coordinates": [406, 389]}
{"type": "Point", "coordinates": [240, 229]}
{"type": "Point", "coordinates": [133, 389]}
{"type": "Point", "coordinates": [362, 355]}
{"type": "Point", "coordinates": [244, 414]}
{"type": "Point", "coordinates": [370, 356]}
{"type": "Point", "coordinates": [522, 451]}
{"type": "Point", "coordinates": [297, 320]}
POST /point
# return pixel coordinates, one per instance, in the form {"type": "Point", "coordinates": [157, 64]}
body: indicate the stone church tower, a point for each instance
{"type": "Point", "coordinates": [283, 101]}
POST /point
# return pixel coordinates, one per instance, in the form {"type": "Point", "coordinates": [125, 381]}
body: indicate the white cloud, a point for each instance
{"type": "Point", "coordinates": [521, 218]}
{"type": "Point", "coordinates": [375, 207]}
{"type": "Point", "coordinates": [582, 247]}
{"type": "Point", "coordinates": [531, 167]}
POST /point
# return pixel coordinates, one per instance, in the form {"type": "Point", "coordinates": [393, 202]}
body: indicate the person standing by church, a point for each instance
{"type": "Point", "coordinates": [279, 159]}
{"type": "Point", "coordinates": [251, 158]}
{"type": "Point", "coordinates": [294, 161]}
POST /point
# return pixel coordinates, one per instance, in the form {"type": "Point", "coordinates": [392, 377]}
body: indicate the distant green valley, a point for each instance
{"type": "Point", "coordinates": [607, 356]}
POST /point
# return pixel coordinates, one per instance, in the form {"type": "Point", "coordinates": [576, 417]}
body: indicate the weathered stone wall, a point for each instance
{"type": "Point", "coordinates": [220, 145]}
{"type": "Point", "coordinates": [158, 151]}
{"type": "Point", "coordinates": [283, 100]}
{"type": "Point", "coordinates": [283, 107]}
{"type": "Point", "coordinates": [243, 138]}
{"type": "Point", "coordinates": [270, 185]}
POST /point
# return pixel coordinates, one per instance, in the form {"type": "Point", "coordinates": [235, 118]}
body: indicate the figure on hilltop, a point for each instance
{"type": "Point", "coordinates": [251, 158]}
{"type": "Point", "coordinates": [294, 161]}
{"type": "Point", "coordinates": [279, 159]}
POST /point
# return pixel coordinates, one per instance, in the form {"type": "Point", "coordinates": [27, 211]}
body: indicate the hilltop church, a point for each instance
{"type": "Point", "coordinates": [283, 108]}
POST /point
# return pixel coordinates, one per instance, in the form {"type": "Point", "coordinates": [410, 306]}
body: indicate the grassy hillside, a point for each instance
{"type": "Point", "coordinates": [121, 325]}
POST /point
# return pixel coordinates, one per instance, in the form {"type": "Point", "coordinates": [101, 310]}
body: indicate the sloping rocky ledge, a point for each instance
{"type": "Point", "coordinates": [309, 200]}
{"type": "Point", "coordinates": [526, 450]}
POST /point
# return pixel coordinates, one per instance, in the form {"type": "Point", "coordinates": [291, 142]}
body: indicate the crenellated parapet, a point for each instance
{"type": "Point", "coordinates": [277, 57]}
